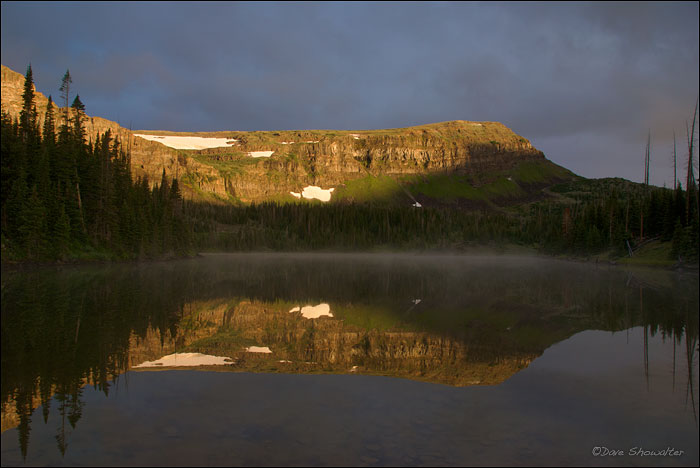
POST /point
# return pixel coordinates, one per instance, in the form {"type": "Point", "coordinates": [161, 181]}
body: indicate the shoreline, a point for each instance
{"type": "Point", "coordinates": [472, 251]}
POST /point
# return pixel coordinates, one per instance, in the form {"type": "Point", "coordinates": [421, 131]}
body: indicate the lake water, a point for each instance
{"type": "Point", "coordinates": [350, 360]}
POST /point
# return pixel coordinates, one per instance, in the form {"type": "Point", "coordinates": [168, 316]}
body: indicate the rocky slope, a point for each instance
{"type": "Point", "coordinates": [486, 160]}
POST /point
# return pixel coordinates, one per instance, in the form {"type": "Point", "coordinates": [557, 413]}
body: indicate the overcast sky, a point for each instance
{"type": "Point", "coordinates": [584, 82]}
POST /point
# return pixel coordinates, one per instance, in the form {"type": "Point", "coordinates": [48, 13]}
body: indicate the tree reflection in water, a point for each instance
{"type": "Point", "coordinates": [451, 320]}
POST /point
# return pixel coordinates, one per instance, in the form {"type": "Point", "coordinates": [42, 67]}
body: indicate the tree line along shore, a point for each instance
{"type": "Point", "coordinates": [68, 198]}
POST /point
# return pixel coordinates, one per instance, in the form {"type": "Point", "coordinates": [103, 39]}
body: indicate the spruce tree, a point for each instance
{"type": "Point", "coordinates": [15, 204]}
{"type": "Point", "coordinates": [65, 94]}
{"type": "Point", "coordinates": [163, 189]}
{"type": "Point", "coordinates": [27, 116]}
{"type": "Point", "coordinates": [175, 195]}
{"type": "Point", "coordinates": [32, 227]}
{"type": "Point", "coordinates": [78, 120]}
{"type": "Point", "coordinates": [28, 131]}
{"type": "Point", "coordinates": [12, 162]}
{"type": "Point", "coordinates": [49, 131]}
{"type": "Point", "coordinates": [61, 234]}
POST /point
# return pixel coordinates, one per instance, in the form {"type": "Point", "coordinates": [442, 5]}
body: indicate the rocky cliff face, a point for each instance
{"type": "Point", "coordinates": [328, 159]}
{"type": "Point", "coordinates": [332, 158]}
{"type": "Point", "coordinates": [484, 152]}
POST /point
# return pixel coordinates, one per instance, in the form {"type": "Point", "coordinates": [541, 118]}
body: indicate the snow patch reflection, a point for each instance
{"type": "Point", "coordinates": [188, 360]}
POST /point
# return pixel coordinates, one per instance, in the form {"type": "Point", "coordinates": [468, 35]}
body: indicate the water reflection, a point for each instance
{"type": "Point", "coordinates": [260, 336]}
{"type": "Point", "coordinates": [186, 360]}
{"type": "Point", "coordinates": [455, 321]}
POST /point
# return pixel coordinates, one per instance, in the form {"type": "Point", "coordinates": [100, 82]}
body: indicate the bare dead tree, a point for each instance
{"type": "Point", "coordinates": [690, 176]}
{"type": "Point", "coordinates": [675, 178]}
{"type": "Point", "coordinates": [646, 160]}
{"type": "Point", "coordinates": [646, 185]}
{"type": "Point", "coordinates": [65, 94]}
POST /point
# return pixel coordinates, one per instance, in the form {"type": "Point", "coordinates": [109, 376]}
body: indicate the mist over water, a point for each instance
{"type": "Point", "coordinates": [374, 360]}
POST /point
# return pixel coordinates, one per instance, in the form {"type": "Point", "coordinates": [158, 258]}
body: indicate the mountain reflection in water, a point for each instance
{"type": "Point", "coordinates": [450, 320]}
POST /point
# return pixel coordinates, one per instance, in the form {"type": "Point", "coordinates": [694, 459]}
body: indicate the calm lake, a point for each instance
{"type": "Point", "coordinates": [290, 359]}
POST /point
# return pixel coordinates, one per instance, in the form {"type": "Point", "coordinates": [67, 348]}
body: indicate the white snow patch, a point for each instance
{"type": "Point", "coordinates": [313, 312]}
{"type": "Point", "coordinates": [260, 154]}
{"type": "Point", "coordinates": [189, 142]}
{"type": "Point", "coordinates": [355, 136]}
{"type": "Point", "coordinates": [313, 191]}
{"type": "Point", "coordinates": [296, 194]}
{"type": "Point", "coordinates": [187, 360]}
{"type": "Point", "coordinates": [258, 349]}
{"type": "Point", "coordinates": [315, 141]}
{"type": "Point", "coordinates": [287, 142]}
{"type": "Point", "coordinates": [417, 205]}
{"type": "Point", "coordinates": [284, 360]}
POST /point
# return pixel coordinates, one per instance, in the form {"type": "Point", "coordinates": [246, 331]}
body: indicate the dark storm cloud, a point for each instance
{"type": "Point", "coordinates": [584, 82]}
